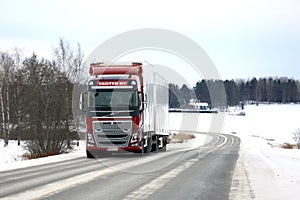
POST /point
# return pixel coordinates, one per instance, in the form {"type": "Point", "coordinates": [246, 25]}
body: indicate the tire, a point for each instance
{"type": "Point", "coordinates": [155, 144]}
{"type": "Point", "coordinates": [142, 151]}
{"type": "Point", "coordinates": [89, 154]}
{"type": "Point", "coordinates": [164, 148]}
{"type": "Point", "coordinates": [147, 149]}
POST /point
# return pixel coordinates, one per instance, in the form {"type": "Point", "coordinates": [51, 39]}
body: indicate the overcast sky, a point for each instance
{"type": "Point", "coordinates": [243, 38]}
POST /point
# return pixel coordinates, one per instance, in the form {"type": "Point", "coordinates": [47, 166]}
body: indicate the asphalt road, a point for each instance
{"type": "Point", "coordinates": [196, 173]}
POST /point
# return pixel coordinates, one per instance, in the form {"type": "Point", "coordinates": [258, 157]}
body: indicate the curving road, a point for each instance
{"type": "Point", "coordinates": [180, 173]}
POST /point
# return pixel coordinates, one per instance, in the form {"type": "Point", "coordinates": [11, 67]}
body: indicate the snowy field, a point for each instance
{"type": "Point", "coordinates": [269, 121]}
{"type": "Point", "coordinates": [265, 170]}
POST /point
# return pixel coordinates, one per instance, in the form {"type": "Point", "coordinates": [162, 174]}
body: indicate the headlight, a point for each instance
{"type": "Point", "coordinates": [90, 138]}
{"type": "Point", "coordinates": [134, 137]}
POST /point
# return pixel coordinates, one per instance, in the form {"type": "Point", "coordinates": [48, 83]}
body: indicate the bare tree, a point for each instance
{"type": "Point", "coordinates": [2, 79]}
{"type": "Point", "coordinates": [297, 137]}
{"type": "Point", "coordinates": [78, 73]}
{"type": "Point", "coordinates": [63, 56]}
{"type": "Point", "coordinates": [6, 67]}
{"type": "Point", "coordinates": [71, 63]}
{"type": "Point", "coordinates": [17, 80]}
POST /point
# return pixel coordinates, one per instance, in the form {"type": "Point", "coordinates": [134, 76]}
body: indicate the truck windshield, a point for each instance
{"type": "Point", "coordinates": [107, 99]}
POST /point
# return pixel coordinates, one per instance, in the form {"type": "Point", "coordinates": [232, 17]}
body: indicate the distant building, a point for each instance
{"type": "Point", "coordinates": [199, 105]}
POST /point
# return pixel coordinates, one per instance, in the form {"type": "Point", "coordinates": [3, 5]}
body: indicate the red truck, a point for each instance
{"type": "Point", "coordinates": [126, 108]}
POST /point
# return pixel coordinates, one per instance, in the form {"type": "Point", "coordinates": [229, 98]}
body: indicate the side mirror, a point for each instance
{"type": "Point", "coordinates": [142, 101]}
{"type": "Point", "coordinates": [82, 101]}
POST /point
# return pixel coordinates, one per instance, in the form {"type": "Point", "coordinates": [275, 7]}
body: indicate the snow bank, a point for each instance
{"type": "Point", "coordinates": [269, 172]}
{"type": "Point", "coordinates": [12, 152]}
{"type": "Point", "coordinates": [11, 156]}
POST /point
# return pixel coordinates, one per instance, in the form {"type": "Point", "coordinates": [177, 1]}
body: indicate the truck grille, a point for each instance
{"type": "Point", "coordinates": [112, 133]}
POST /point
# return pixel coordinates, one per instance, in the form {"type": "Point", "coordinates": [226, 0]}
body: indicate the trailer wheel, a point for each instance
{"type": "Point", "coordinates": [155, 144]}
{"type": "Point", "coordinates": [164, 148]}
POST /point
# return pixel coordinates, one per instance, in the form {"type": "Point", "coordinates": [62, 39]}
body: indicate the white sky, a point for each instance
{"type": "Point", "coordinates": [243, 38]}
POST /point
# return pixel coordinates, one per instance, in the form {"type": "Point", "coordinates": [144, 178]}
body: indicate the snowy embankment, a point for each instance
{"type": "Point", "coordinates": [264, 169]}
{"type": "Point", "coordinates": [11, 157]}
{"type": "Point", "coordinates": [11, 153]}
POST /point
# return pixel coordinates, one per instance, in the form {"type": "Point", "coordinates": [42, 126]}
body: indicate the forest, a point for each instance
{"type": "Point", "coordinates": [253, 90]}
{"type": "Point", "coordinates": [270, 90]}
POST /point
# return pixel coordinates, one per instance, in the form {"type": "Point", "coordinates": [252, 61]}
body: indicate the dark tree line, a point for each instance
{"type": "Point", "coordinates": [179, 97]}
{"type": "Point", "coordinates": [36, 98]}
{"type": "Point", "coordinates": [270, 90]}
{"type": "Point", "coordinates": [278, 90]}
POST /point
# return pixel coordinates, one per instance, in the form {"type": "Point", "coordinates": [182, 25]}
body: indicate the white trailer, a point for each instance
{"type": "Point", "coordinates": [156, 100]}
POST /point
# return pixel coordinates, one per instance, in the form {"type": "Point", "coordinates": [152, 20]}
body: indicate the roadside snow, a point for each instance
{"type": "Point", "coordinates": [12, 152]}
{"type": "Point", "coordinates": [264, 170]}
{"type": "Point", "coordinates": [11, 156]}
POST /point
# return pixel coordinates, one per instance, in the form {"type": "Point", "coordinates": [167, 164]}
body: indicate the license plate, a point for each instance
{"type": "Point", "coordinates": [112, 149]}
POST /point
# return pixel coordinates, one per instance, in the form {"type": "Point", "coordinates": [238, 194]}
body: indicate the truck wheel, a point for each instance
{"type": "Point", "coordinates": [164, 148]}
{"type": "Point", "coordinates": [155, 144]}
{"type": "Point", "coordinates": [141, 152]}
{"type": "Point", "coordinates": [147, 149]}
{"type": "Point", "coordinates": [89, 154]}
